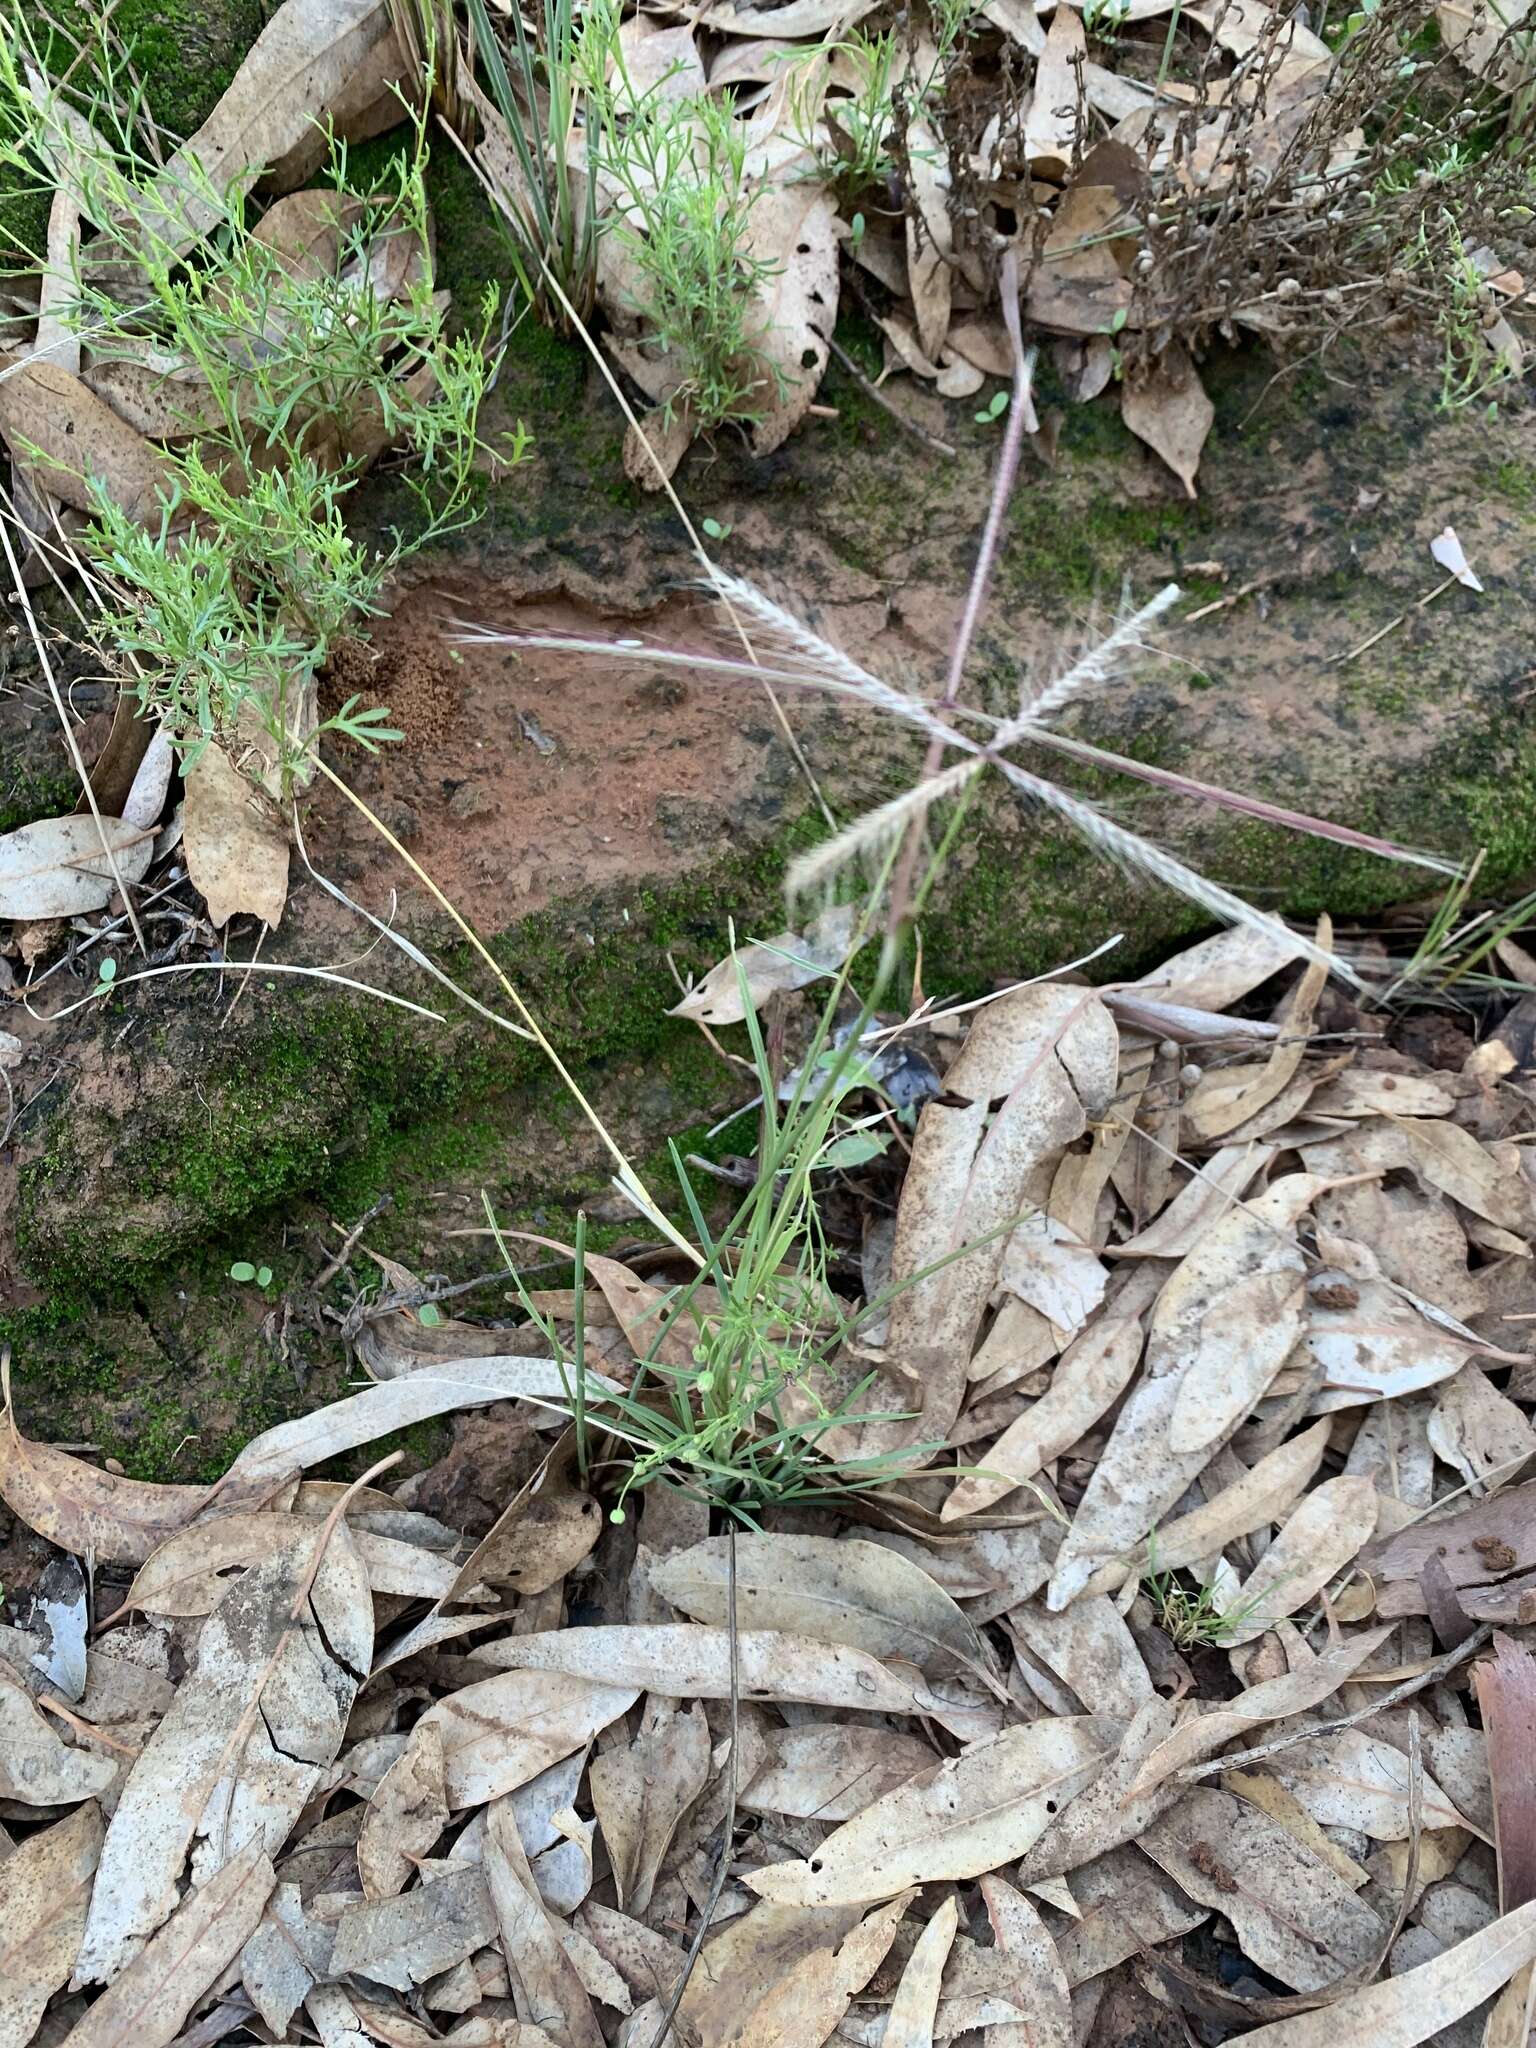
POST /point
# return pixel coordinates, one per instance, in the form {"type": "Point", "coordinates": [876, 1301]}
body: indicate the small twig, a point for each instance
{"type": "Point", "coordinates": [86, 1728]}
{"type": "Point", "coordinates": [873, 391]}
{"type": "Point", "coordinates": [1338, 660]}
{"type": "Point", "coordinates": [334, 1266]}
{"type": "Point", "coordinates": [1430, 1675]}
{"type": "Point", "coordinates": [728, 1824]}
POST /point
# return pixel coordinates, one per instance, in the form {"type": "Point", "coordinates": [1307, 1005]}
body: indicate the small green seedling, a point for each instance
{"type": "Point", "coordinates": [106, 972]}
{"type": "Point", "coordinates": [993, 410]}
{"type": "Point", "coordinates": [243, 1271]}
{"type": "Point", "coordinates": [430, 1314]}
{"type": "Point", "coordinates": [715, 530]}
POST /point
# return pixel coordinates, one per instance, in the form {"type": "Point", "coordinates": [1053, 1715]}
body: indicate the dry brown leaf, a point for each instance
{"type": "Point", "coordinates": [804, 2008]}
{"type": "Point", "coordinates": [789, 960]}
{"type": "Point", "coordinates": [1052, 122]}
{"type": "Point", "coordinates": [544, 1531]}
{"type": "Point", "coordinates": [406, 1815]}
{"type": "Point", "coordinates": [1090, 1650]}
{"type": "Point", "coordinates": [1324, 1534]}
{"type": "Point", "coordinates": [1417, 2005]}
{"type": "Point", "coordinates": [45, 1887]}
{"type": "Point", "coordinates": [299, 65]}
{"type": "Point", "coordinates": [1206, 1367]}
{"type": "Point", "coordinates": [146, 2003]}
{"type": "Point", "coordinates": [1126, 1907]}
{"type": "Point", "coordinates": [237, 849]}
{"type": "Point", "coordinates": [79, 441]}
{"type": "Point", "coordinates": [255, 1722]}
{"type": "Point", "coordinates": [83, 1509]}
{"type": "Point", "coordinates": [530, 1940]}
{"type": "Point", "coordinates": [830, 1771]}
{"type": "Point", "coordinates": [1293, 1916]}
{"type": "Point", "coordinates": [189, 1573]}
{"type": "Point", "coordinates": [641, 1793]}
{"type": "Point", "coordinates": [287, 1448]}
{"type": "Point", "coordinates": [909, 2022]}
{"type": "Point", "coordinates": [1506, 1695]}
{"type": "Point", "coordinates": [1105, 1817]}
{"type": "Point", "coordinates": [1479, 1431]}
{"type": "Point", "coordinates": [694, 1663]}
{"type": "Point", "coordinates": [1090, 1377]}
{"type": "Point", "coordinates": [792, 226]}
{"type": "Point", "coordinates": [37, 1767]}
{"type": "Point", "coordinates": [56, 867]}
{"type": "Point", "coordinates": [656, 444]}
{"type": "Point", "coordinates": [838, 1590]}
{"type": "Point", "coordinates": [1168, 409]}
{"type": "Point", "coordinates": [1353, 1780]}
{"type": "Point", "coordinates": [402, 1941]}
{"type": "Point", "coordinates": [1229, 1096]}
{"type": "Point", "coordinates": [1023, 1938]}
{"type": "Point", "coordinates": [967, 1816]}
{"type": "Point", "coordinates": [501, 1732]}
{"type": "Point", "coordinates": [1051, 1055]}
{"type": "Point", "coordinates": [1201, 1734]}
{"type": "Point", "coordinates": [1222, 1179]}
{"type": "Point", "coordinates": [741, 1964]}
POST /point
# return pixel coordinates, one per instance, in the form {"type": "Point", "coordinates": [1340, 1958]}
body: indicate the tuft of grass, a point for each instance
{"type": "Point", "coordinates": [1190, 1612]}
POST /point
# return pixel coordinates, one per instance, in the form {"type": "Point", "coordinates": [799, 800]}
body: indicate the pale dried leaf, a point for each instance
{"type": "Point", "coordinates": [1448, 552]}
{"type": "Point", "coordinates": [406, 1815]}
{"type": "Point", "coordinates": [535, 1955]}
{"type": "Point", "coordinates": [403, 1941]}
{"type": "Point", "coordinates": [237, 849]}
{"type": "Point", "coordinates": [830, 1771]}
{"type": "Point", "coordinates": [833, 1590]}
{"type": "Point", "coordinates": [788, 961]}
{"type": "Point", "coordinates": [1293, 1916]}
{"type": "Point", "coordinates": [257, 1719]}
{"type": "Point", "coordinates": [803, 2009]}
{"type": "Point", "coordinates": [79, 442]}
{"type": "Point", "coordinates": [1353, 1780]}
{"type": "Point", "coordinates": [1479, 1431]}
{"type": "Point", "coordinates": [189, 1573]}
{"type": "Point", "coordinates": [37, 1767]}
{"type": "Point", "coordinates": [503, 1731]}
{"type": "Point", "coordinates": [1023, 1938]}
{"type": "Point", "coordinates": [641, 1793]}
{"type": "Point", "coordinates": [1324, 1534]}
{"type": "Point", "coordinates": [45, 1887]}
{"type": "Point", "coordinates": [967, 1816]}
{"type": "Point", "coordinates": [694, 1663]}
{"type": "Point", "coordinates": [1051, 126]}
{"type": "Point", "coordinates": [57, 867]}
{"type": "Point", "coordinates": [909, 2022]}
{"type": "Point", "coordinates": [1169, 410]}
{"type": "Point", "coordinates": [146, 2003]}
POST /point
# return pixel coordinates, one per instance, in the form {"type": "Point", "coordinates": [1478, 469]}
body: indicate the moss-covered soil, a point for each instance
{"type": "Point", "coordinates": [177, 1134]}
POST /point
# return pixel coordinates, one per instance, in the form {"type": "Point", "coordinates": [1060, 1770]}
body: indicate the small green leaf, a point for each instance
{"type": "Point", "coordinates": [263, 1276]}
{"type": "Point", "coordinates": [429, 1313]}
{"type": "Point", "coordinates": [854, 1149]}
{"type": "Point", "coordinates": [1118, 319]}
{"type": "Point", "coordinates": [242, 1269]}
{"type": "Point", "coordinates": [715, 530]}
{"type": "Point", "coordinates": [106, 972]}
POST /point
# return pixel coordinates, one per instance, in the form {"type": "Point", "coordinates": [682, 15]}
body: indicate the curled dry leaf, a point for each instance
{"type": "Point", "coordinates": [809, 2002]}
{"type": "Point", "coordinates": [189, 1574]}
{"type": "Point", "coordinates": [909, 2023]}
